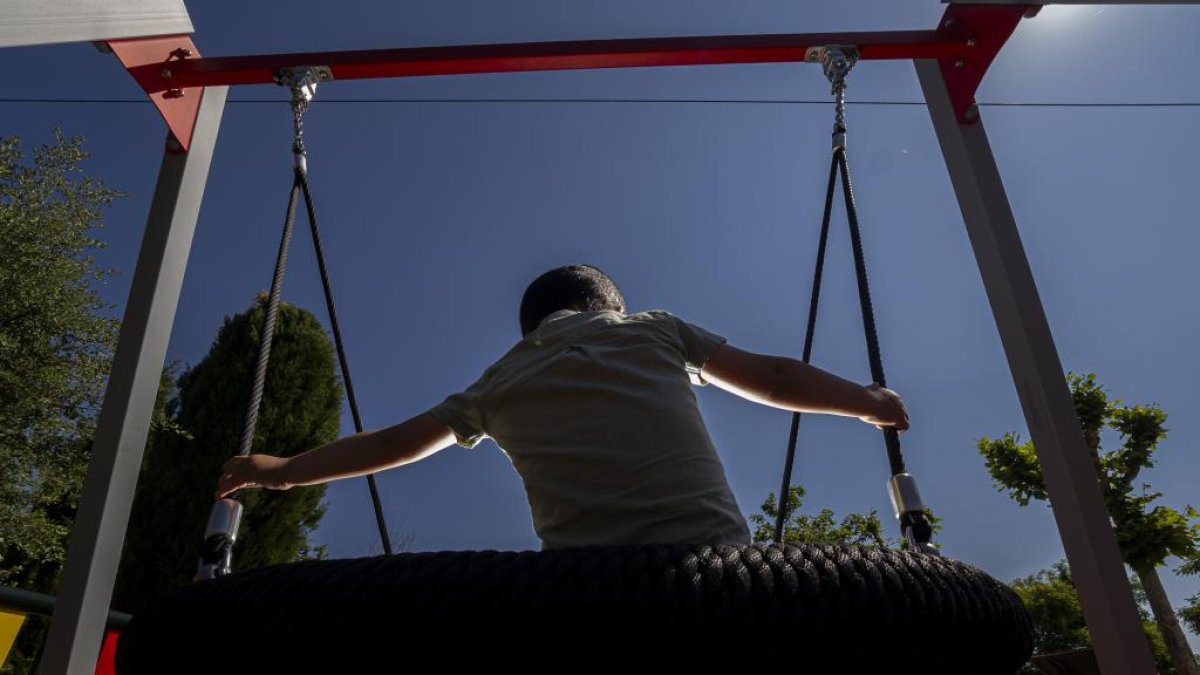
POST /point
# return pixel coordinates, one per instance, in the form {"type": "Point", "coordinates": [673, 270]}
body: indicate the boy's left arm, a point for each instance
{"type": "Point", "coordinates": [357, 455]}
{"type": "Point", "coordinates": [786, 383]}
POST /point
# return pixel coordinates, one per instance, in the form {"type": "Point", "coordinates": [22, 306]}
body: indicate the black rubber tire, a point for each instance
{"type": "Point", "coordinates": [807, 609]}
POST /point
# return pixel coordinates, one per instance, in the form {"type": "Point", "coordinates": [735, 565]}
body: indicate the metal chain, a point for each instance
{"type": "Point", "coordinates": [302, 82]}
{"type": "Point", "coordinates": [299, 107]}
{"type": "Point", "coordinates": [837, 63]}
{"type": "Point", "coordinates": [839, 114]}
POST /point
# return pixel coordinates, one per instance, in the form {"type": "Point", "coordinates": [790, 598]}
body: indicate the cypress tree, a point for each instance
{"type": "Point", "coordinates": [201, 425]}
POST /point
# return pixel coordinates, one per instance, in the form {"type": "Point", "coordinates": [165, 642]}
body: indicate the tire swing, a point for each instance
{"type": "Point", "coordinates": [807, 609]}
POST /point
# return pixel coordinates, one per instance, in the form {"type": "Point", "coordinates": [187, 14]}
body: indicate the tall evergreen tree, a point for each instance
{"type": "Point", "coordinates": [301, 410]}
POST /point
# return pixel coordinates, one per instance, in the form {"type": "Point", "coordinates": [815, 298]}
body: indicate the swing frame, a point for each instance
{"type": "Point", "coordinates": [950, 60]}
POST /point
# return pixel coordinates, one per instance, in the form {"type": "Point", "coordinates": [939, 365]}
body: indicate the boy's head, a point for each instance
{"type": "Point", "coordinates": [579, 287]}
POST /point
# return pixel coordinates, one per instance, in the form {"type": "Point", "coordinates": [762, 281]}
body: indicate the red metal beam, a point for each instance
{"type": "Point", "coordinates": [965, 43]}
{"type": "Point", "coordinates": [502, 58]}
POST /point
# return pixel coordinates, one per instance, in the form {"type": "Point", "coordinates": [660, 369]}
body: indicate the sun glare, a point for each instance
{"type": "Point", "coordinates": [1061, 17]}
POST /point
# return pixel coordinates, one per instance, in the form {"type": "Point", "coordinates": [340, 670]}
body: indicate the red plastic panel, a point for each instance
{"type": "Point", "coordinates": [106, 664]}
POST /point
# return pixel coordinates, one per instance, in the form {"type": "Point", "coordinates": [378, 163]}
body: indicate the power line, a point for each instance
{"type": "Point", "coordinates": [648, 101]}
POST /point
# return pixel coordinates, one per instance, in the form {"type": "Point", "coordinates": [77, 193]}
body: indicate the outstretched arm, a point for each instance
{"type": "Point", "coordinates": [357, 455]}
{"type": "Point", "coordinates": [786, 383]}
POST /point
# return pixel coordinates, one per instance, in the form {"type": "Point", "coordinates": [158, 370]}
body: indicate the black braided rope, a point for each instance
{"type": "Point", "coordinates": [809, 332]}
{"type": "Point", "coordinates": [268, 330]}
{"type": "Point", "coordinates": [343, 361]}
{"type": "Point", "coordinates": [807, 609]}
{"type": "Point", "coordinates": [890, 436]}
{"type": "Point", "coordinates": [216, 549]}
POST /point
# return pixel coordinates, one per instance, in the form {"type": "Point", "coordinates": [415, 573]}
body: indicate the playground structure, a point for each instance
{"type": "Point", "coordinates": [951, 60]}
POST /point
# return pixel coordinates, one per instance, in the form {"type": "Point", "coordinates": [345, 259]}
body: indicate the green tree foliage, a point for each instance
{"type": "Point", "coordinates": [301, 410]}
{"type": "Point", "coordinates": [56, 339]}
{"type": "Point", "coordinates": [1057, 614]}
{"type": "Point", "coordinates": [822, 528]}
{"type": "Point", "coordinates": [1053, 605]}
{"type": "Point", "coordinates": [1147, 533]}
{"type": "Point", "coordinates": [1191, 613]}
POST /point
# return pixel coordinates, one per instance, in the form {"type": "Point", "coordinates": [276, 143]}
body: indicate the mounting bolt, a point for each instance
{"type": "Point", "coordinates": [949, 23]}
{"type": "Point", "coordinates": [971, 113]}
{"type": "Point", "coordinates": [959, 63]}
{"type": "Point", "coordinates": [971, 42]}
{"type": "Point", "coordinates": [174, 93]}
{"type": "Point", "coordinates": [181, 53]}
{"type": "Point", "coordinates": [166, 73]}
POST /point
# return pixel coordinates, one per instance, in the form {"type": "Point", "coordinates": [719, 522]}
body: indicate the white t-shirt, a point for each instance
{"type": "Point", "coordinates": [597, 414]}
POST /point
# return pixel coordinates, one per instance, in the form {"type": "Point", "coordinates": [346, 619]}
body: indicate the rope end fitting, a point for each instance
{"type": "Point", "coordinates": [836, 61]}
{"type": "Point", "coordinates": [910, 510]}
{"type": "Point", "coordinates": [302, 81]}
{"type": "Point", "coordinates": [216, 557]}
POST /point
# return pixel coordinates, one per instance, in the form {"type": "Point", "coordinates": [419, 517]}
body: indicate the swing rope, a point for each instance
{"type": "Point", "coordinates": [809, 331]}
{"type": "Point", "coordinates": [303, 83]}
{"type": "Point", "coordinates": [225, 517]}
{"type": "Point", "coordinates": [268, 329]}
{"type": "Point", "coordinates": [890, 435]}
{"type": "Point", "coordinates": [343, 362]}
{"type": "Point", "coordinates": [910, 510]}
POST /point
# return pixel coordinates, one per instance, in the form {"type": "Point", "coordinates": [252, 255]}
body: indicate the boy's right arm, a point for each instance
{"type": "Point", "coordinates": [786, 383]}
{"type": "Point", "coordinates": [357, 455]}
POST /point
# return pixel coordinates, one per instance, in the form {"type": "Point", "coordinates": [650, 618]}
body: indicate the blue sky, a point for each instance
{"type": "Point", "coordinates": [437, 215]}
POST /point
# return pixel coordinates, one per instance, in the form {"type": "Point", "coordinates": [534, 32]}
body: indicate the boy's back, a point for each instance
{"type": "Point", "coordinates": [596, 411]}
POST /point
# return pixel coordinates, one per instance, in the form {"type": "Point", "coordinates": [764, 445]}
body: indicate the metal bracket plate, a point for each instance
{"type": "Point", "coordinates": [303, 80]}
{"type": "Point", "coordinates": [150, 61]}
{"type": "Point", "coordinates": [817, 54]}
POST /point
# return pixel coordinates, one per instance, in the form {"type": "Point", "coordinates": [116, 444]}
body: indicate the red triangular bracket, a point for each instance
{"type": "Point", "coordinates": [986, 28]}
{"type": "Point", "coordinates": [147, 59]}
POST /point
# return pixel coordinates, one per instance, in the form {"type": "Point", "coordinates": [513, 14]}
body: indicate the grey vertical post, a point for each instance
{"type": "Point", "coordinates": [1067, 470]}
{"type": "Point", "coordinates": [95, 544]}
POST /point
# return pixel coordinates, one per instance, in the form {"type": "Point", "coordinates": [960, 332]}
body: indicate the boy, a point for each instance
{"type": "Point", "coordinates": [594, 407]}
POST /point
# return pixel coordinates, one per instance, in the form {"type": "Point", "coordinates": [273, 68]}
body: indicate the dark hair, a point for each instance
{"type": "Point", "coordinates": [580, 287]}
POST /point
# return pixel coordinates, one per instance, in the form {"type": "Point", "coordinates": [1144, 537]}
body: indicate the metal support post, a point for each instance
{"type": "Point", "coordinates": [1083, 523]}
{"type": "Point", "coordinates": [95, 544]}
